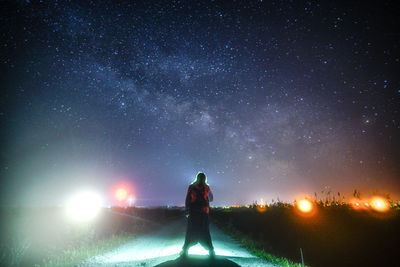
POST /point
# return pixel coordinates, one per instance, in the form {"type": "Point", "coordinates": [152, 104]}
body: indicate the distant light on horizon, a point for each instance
{"type": "Point", "coordinates": [262, 207]}
{"type": "Point", "coordinates": [379, 204]}
{"type": "Point", "coordinates": [121, 194]}
{"type": "Point", "coordinates": [84, 206]}
{"type": "Point", "coordinates": [305, 206]}
{"type": "Point", "coordinates": [131, 200]}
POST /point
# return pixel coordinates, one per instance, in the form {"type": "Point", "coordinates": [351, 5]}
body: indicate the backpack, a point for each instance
{"type": "Point", "coordinates": [200, 200]}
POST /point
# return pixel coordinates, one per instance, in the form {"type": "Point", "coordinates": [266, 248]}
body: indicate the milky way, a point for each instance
{"type": "Point", "coordinates": [269, 98]}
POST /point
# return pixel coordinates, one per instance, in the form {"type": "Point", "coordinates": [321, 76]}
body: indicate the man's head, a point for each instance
{"type": "Point", "coordinates": [201, 178]}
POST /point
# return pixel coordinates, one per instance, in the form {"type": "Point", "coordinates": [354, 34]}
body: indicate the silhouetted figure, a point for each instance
{"type": "Point", "coordinates": [197, 205]}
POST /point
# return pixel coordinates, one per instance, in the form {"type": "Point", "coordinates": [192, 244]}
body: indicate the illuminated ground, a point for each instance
{"type": "Point", "coordinates": [163, 247]}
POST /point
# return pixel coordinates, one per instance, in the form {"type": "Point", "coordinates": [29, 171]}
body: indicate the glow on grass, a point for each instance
{"type": "Point", "coordinates": [358, 204]}
{"type": "Point", "coordinates": [84, 206]}
{"type": "Point", "coordinates": [262, 207]}
{"type": "Point", "coordinates": [305, 206]}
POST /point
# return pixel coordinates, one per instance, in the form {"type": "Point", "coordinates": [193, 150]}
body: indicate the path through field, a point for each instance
{"type": "Point", "coordinates": [161, 248]}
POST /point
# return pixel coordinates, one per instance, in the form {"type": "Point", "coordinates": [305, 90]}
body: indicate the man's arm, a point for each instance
{"type": "Point", "coordinates": [187, 200]}
{"type": "Point", "coordinates": [210, 196]}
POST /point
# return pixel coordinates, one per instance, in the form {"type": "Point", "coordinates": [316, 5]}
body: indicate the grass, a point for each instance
{"type": "Point", "coordinates": [84, 251]}
{"type": "Point", "coordinates": [267, 256]}
{"type": "Point", "coordinates": [256, 248]}
{"type": "Point", "coordinates": [335, 234]}
{"type": "Point", "coordinates": [45, 237]}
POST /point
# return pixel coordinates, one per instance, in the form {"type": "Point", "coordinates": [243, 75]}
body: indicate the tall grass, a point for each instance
{"type": "Point", "coordinates": [255, 247]}
{"type": "Point", "coordinates": [85, 250]}
{"type": "Point", "coordinates": [13, 250]}
{"type": "Point", "coordinates": [336, 234]}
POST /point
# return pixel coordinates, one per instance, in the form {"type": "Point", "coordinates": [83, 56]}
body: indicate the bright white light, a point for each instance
{"type": "Point", "coordinates": [197, 250]}
{"type": "Point", "coordinates": [84, 206]}
{"type": "Point", "coordinates": [157, 249]}
{"type": "Point", "coordinates": [131, 200]}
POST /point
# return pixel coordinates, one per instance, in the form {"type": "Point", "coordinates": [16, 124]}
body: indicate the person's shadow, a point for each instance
{"type": "Point", "coordinates": [195, 260]}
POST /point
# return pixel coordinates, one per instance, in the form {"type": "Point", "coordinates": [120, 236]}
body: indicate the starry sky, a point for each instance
{"type": "Point", "coordinates": [271, 99]}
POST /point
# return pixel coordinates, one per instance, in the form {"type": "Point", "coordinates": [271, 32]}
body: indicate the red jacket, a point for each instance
{"type": "Point", "coordinates": [198, 198]}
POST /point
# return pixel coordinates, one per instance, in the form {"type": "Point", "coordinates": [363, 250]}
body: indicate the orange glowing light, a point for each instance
{"type": "Point", "coordinates": [305, 205]}
{"type": "Point", "coordinates": [358, 204]}
{"type": "Point", "coordinates": [261, 208]}
{"type": "Point", "coordinates": [379, 204]}
{"type": "Point", "coordinates": [121, 194]}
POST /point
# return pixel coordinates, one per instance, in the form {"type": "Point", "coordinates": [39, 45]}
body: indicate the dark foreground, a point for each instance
{"type": "Point", "coordinates": [333, 236]}
{"type": "Point", "coordinates": [197, 261]}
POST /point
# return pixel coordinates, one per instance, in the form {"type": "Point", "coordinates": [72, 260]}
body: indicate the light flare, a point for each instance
{"type": "Point", "coordinates": [375, 203]}
{"type": "Point", "coordinates": [305, 206]}
{"type": "Point", "coordinates": [131, 200]}
{"type": "Point", "coordinates": [379, 204]}
{"type": "Point", "coordinates": [358, 204]}
{"type": "Point", "coordinates": [262, 207]}
{"type": "Point", "coordinates": [84, 206]}
{"type": "Point", "coordinates": [121, 194]}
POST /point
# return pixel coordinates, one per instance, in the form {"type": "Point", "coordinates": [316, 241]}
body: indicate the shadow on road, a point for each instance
{"type": "Point", "coordinates": [198, 261]}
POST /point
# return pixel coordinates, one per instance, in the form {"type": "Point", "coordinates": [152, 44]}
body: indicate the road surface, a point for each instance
{"type": "Point", "coordinates": [162, 247]}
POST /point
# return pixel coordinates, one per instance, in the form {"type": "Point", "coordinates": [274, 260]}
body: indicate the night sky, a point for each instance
{"type": "Point", "coordinates": [269, 98]}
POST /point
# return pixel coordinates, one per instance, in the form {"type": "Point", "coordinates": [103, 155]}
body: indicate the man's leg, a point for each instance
{"type": "Point", "coordinates": [188, 236]}
{"type": "Point", "coordinates": [208, 244]}
{"type": "Point", "coordinates": [206, 237]}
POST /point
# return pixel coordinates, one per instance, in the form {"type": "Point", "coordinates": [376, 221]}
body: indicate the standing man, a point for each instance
{"type": "Point", "coordinates": [197, 204]}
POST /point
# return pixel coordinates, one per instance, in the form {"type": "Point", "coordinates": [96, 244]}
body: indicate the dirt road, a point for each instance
{"type": "Point", "coordinates": [162, 248]}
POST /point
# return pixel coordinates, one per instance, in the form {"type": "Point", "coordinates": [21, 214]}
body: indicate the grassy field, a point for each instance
{"type": "Point", "coordinates": [46, 236]}
{"type": "Point", "coordinates": [334, 235]}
